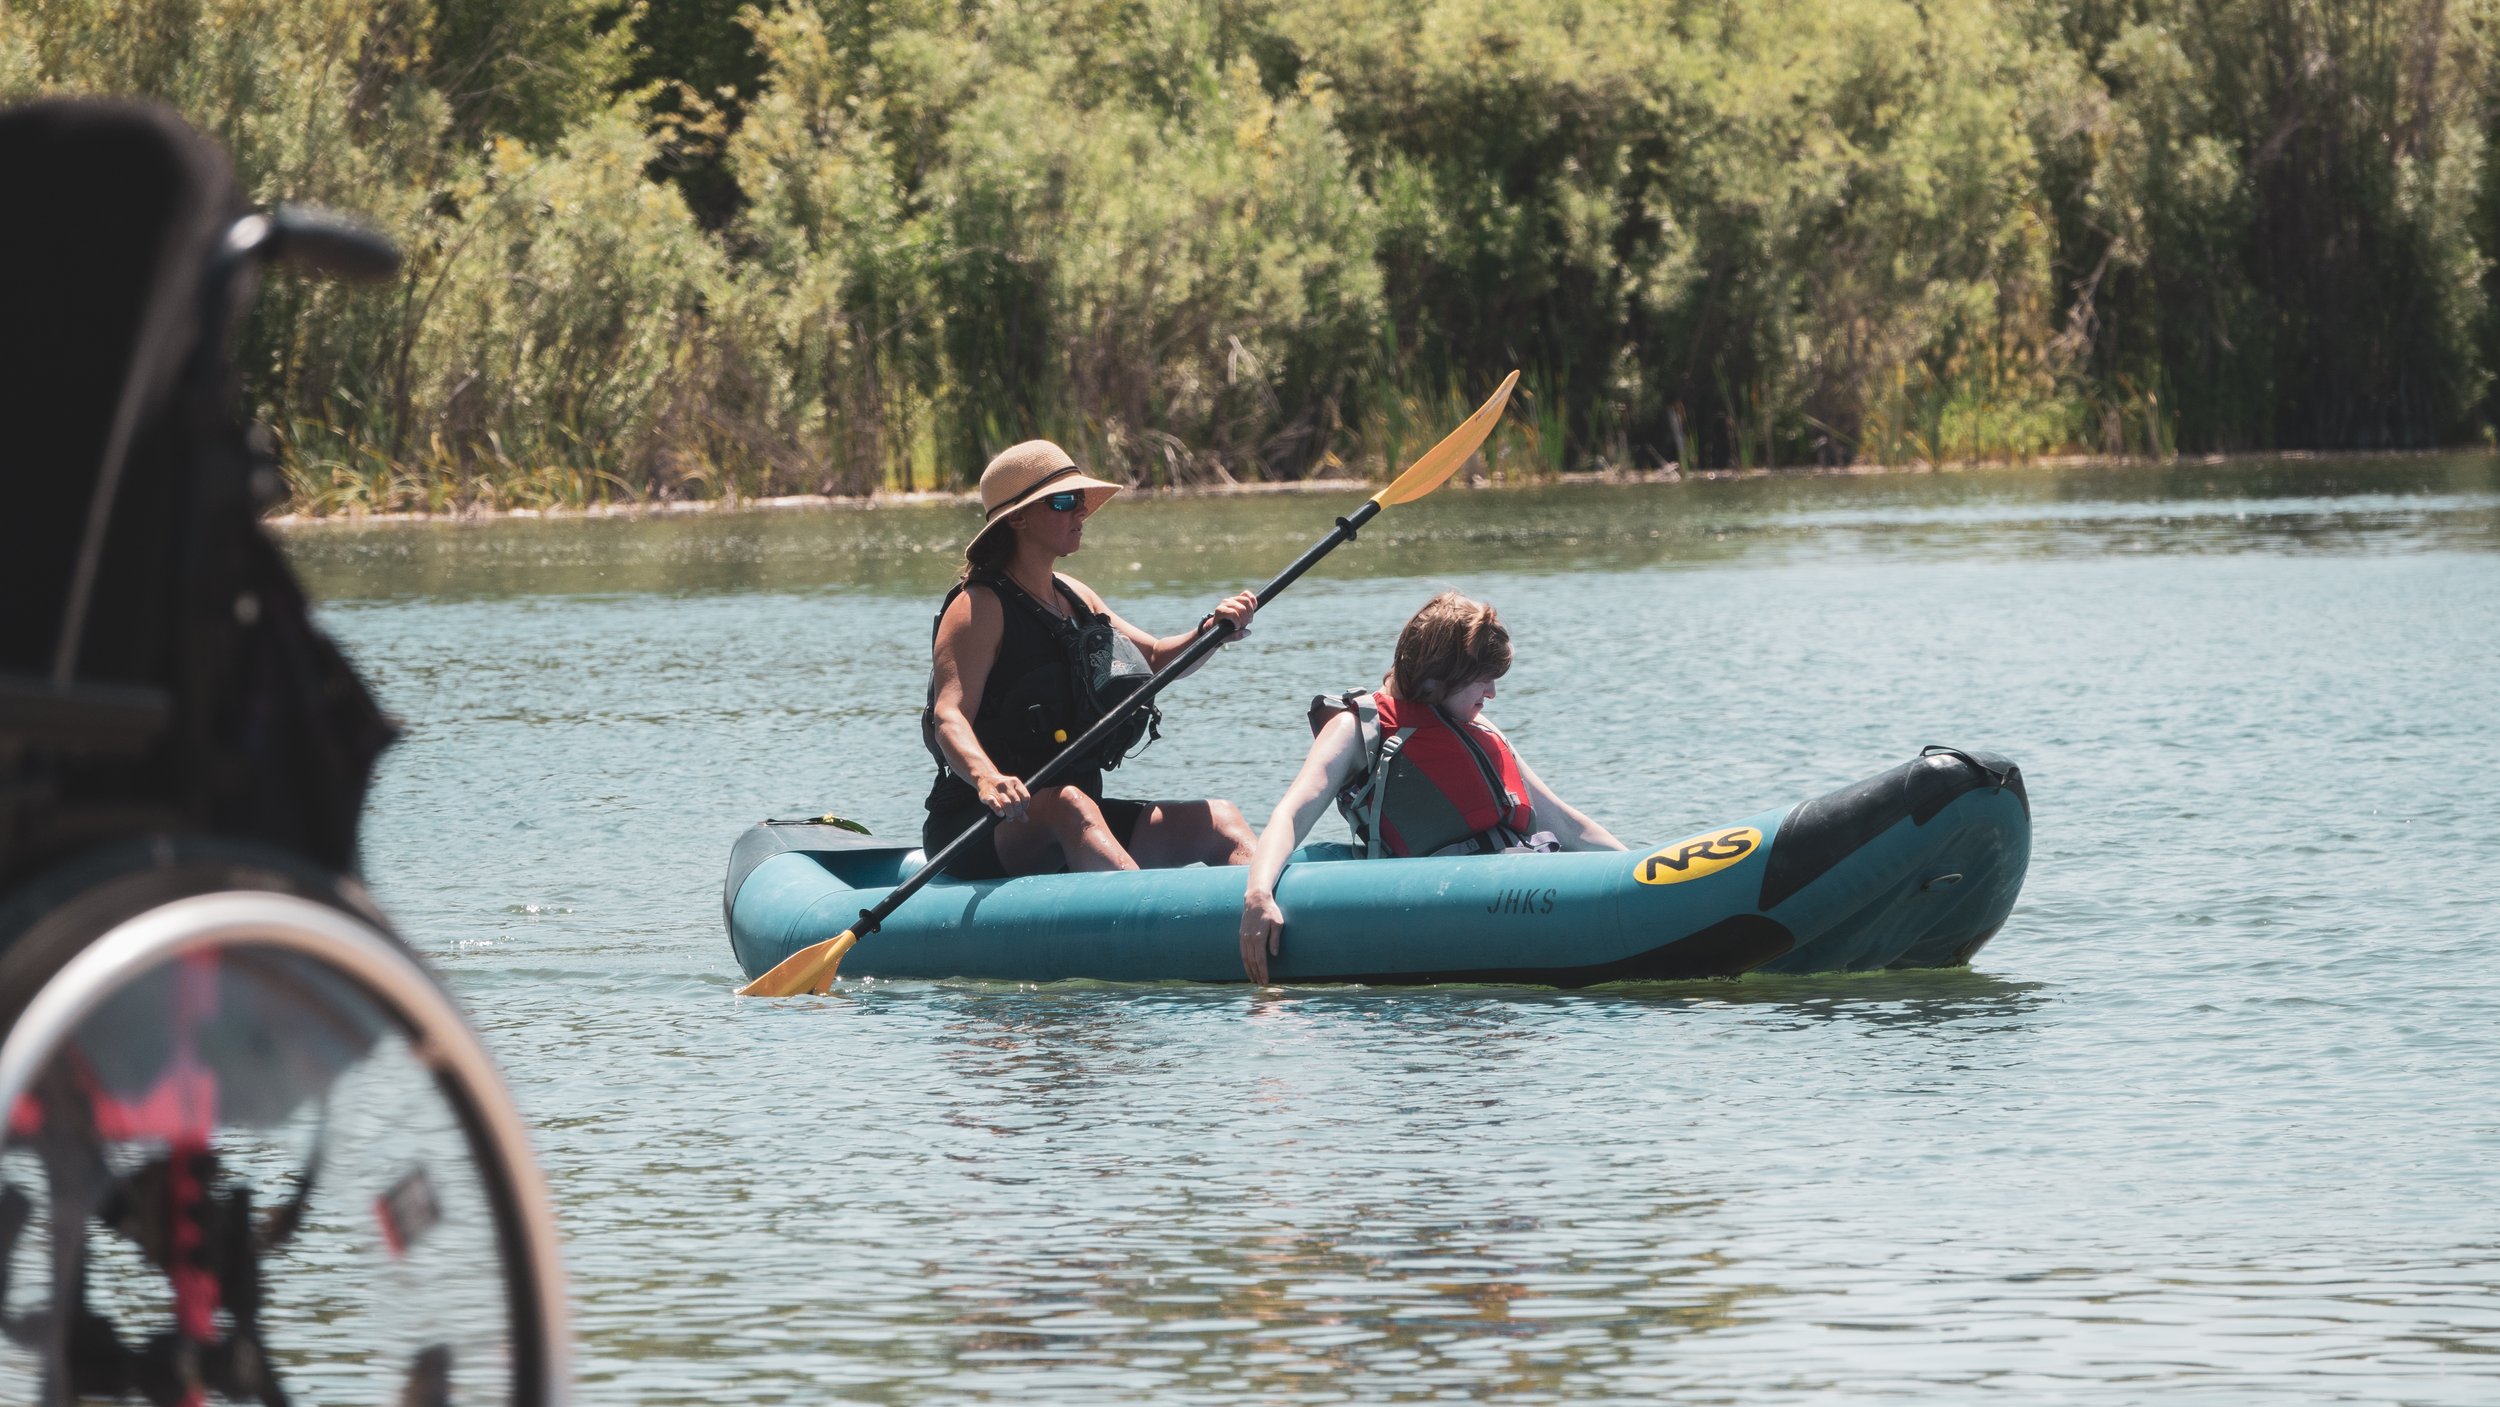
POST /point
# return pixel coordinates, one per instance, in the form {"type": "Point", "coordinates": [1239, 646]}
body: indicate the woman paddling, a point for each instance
{"type": "Point", "coordinates": [1025, 659]}
{"type": "Point", "coordinates": [1415, 768]}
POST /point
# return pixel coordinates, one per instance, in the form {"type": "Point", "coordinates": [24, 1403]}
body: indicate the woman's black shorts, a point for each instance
{"type": "Point", "coordinates": [979, 860]}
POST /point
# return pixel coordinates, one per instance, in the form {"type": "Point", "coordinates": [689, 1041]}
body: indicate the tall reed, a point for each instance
{"type": "Point", "coordinates": [836, 246]}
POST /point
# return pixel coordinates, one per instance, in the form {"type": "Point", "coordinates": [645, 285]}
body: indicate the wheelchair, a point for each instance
{"type": "Point", "coordinates": [253, 1152]}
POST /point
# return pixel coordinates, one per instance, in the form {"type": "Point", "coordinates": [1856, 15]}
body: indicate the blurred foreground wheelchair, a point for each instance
{"type": "Point", "coordinates": [253, 1152]}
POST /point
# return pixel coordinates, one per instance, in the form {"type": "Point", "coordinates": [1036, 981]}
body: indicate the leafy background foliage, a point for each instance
{"type": "Point", "coordinates": [702, 248]}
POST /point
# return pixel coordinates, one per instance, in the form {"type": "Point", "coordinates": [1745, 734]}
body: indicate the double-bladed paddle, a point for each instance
{"type": "Point", "coordinates": [811, 969]}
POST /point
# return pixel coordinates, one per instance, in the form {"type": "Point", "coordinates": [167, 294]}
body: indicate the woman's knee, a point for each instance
{"type": "Point", "coordinates": [1227, 821]}
{"type": "Point", "coordinates": [1234, 840]}
{"type": "Point", "coordinates": [1064, 809]}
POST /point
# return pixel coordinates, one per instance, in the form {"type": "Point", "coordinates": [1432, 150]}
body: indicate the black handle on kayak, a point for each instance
{"type": "Point", "coordinates": [1210, 636]}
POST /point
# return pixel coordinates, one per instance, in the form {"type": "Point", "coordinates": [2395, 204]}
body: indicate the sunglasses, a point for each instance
{"type": "Point", "coordinates": [1066, 500]}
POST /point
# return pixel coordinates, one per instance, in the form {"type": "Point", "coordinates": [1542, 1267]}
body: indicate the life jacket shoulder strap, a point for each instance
{"type": "Point", "coordinates": [1014, 596]}
{"type": "Point", "coordinates": [1366, 791]}
{"type": "Point", "coordinates": [1355, 701]}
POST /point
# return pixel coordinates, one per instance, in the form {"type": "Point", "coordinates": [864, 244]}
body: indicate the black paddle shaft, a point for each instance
{"type": "Point", "coordinates": [1212, 634]}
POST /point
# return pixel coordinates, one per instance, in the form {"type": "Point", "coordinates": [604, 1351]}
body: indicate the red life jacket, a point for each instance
{"type": "Point", "coordinates": [1426, 785]}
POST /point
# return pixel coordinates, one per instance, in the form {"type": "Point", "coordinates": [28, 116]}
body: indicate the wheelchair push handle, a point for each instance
{"type": "Point", "coordinates": [314, 239]}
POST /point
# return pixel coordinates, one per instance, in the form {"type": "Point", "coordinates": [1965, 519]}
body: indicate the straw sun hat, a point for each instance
{"type": "Point", "coordinates": [1028, 473]}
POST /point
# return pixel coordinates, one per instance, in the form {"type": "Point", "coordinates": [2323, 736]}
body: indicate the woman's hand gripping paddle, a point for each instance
{"type": "Point", "coordinates": [811, 969]}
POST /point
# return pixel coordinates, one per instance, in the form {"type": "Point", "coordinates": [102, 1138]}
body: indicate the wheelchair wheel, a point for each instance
{"type": "Point", "coordinates": [254, 1153]}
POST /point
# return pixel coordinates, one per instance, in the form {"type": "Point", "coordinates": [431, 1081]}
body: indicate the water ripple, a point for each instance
{"type": "Point", "coordinates": [2213, 1120]}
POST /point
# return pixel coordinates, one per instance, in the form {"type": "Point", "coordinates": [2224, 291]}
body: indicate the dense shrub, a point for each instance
{"type": "Point", "coordinates": [695, 247]}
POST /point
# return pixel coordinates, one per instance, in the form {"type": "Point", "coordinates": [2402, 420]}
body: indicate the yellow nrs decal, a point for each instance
{"type": "Point", "coordinates": [1695, 856]}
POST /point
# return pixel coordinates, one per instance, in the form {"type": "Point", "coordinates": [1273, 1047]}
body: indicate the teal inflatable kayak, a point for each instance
{"type": "Point", "coordinates": [1916, 867]}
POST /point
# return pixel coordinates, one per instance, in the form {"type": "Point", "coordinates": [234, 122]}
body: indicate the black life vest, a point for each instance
{"type": "Point", "coordinates": [1425, 785]}
{"type": "Point", "coordinates": [1055, 676]}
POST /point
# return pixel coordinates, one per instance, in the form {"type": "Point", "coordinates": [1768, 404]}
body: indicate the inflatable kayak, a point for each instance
{"type": "Point", "coordinates": [1916, 867]}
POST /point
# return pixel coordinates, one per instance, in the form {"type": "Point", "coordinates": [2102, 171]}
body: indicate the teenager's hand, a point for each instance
{"type": "Point", "coordinates": [1262, 931]}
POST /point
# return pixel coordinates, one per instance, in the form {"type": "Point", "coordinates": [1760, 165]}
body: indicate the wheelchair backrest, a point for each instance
{"type": "Point", "coordinates": [158, 667]}
{"type": "Point", "coordinates": [117, 209]}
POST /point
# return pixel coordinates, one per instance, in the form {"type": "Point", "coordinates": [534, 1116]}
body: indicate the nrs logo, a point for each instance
{"type": "Point", "coordinates": [1703, 854]}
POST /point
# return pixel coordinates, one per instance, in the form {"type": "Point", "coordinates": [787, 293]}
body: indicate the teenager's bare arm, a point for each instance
{"type": "Point", "coordinates": [1569, 824]}
{"type": "Point", "coordinates": [1325, 770]}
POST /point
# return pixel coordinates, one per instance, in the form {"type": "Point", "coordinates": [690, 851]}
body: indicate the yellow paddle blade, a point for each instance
{"type": "Point", "coordinates": [810, 969]}
{"type": "Point", "coordinates": [832, 965]}
{"type": "Point", "coordinates": [1443, 459]}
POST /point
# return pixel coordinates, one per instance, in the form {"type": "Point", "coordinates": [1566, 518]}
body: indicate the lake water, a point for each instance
{"type": "Point", "coordinates": [2214, 1118]}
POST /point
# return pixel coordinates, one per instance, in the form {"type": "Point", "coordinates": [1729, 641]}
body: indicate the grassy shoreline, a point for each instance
{"type": "Point", "coordinates": [294, 518]}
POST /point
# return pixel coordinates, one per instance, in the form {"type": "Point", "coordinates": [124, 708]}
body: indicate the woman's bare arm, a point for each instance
{"type": "Point", "coordinates": [1160, 651]}
{"type": "Point", "coordinates": [968, 635]}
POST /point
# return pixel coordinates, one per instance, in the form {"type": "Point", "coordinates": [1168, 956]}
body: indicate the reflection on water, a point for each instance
{"type": "Point", "coordinates": [2212, 1116]}
{"type": "Point", "coordinates": [1162, 544]}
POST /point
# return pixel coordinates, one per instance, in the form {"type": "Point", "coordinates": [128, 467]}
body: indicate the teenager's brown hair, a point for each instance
{"type": "Point", "coordinates": [1449, 644]}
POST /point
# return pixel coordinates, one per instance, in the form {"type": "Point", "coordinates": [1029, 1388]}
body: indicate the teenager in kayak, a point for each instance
{"type": "Point", "coordinates": [1415, 768]}
{"type": "Point", "coordinates": [1024, 659]}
